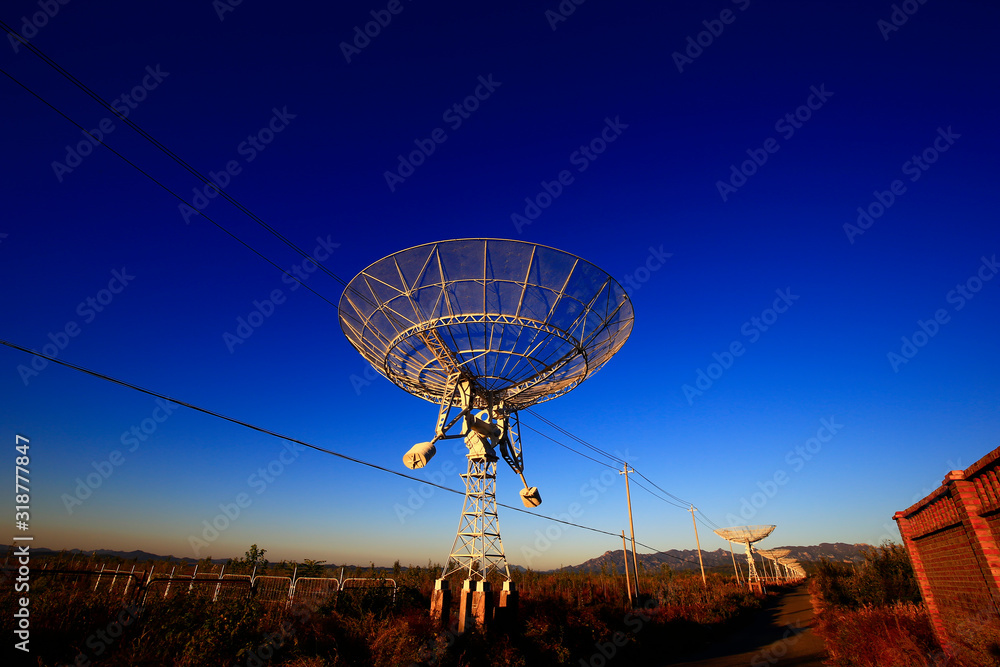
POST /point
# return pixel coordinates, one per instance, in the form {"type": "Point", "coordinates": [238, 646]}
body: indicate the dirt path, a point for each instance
{"type": "Point", "coordinates": [779, 636]}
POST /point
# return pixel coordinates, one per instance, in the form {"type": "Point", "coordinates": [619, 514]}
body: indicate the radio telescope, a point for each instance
{"type": "Point", "coordinates": [747, 535]}
{"type": "Point", "coordinates": [484, 328]}
{"type": "Point", "coordinates": [775, 556]}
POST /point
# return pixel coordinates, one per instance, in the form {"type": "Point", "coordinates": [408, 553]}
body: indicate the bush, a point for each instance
{"type": "Point", "coordinates": [899, 634]}
{"type": "Point", "coordinates": [564, 617]}
{"type": "Point", "coordinates": [872, 615]}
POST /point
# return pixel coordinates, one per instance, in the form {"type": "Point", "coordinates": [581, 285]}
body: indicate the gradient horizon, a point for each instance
{"type": "Point", "coordinates": [800, 201]}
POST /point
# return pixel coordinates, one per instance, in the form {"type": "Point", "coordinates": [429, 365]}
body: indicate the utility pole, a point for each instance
{"type": "Point", "coordinates": [631, 528]}
{"type": "Point", "coordinates": [739, 579]}
{"type": "Point", "coordinates": [697, 542]}
{"type": "Point", "coordinates": [628, 584]}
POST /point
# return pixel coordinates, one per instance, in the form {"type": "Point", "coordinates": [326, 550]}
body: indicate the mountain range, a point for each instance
{"type": "Point", "coordinates": [611, 561]}
{"type": "Point", "coordinates": [720, 559]}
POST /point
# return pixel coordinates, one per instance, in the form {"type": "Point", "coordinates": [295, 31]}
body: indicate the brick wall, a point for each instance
{"type": "Point", "coordinates": [952, 537]}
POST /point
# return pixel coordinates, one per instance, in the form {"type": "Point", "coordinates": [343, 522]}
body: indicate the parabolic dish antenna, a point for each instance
{"type": "Point", "coordinates": [747, 535]}
{"type": "Point", "coordinates": [776, 556]}
{"type": "Point", "coordinates": [484, 328]}
{"type": "Point", "coordinates": [774, 553]}
{"type": "Point", "coordinates": [523, 323]}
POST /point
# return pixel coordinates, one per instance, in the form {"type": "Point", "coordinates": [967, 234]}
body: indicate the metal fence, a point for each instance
{"type": "Point", "coordinates": [141, 586]}
{"type": "Point", "coordinates": [314, 590]}
{"type": "Point", "coordinates": [369, 585]}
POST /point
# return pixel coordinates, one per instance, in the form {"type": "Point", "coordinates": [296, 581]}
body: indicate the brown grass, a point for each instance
{"type": "Point", "coordinates": [564, 618]}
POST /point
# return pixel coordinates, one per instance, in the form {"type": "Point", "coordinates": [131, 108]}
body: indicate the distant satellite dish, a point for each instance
{"type": "Point", "coordinates": [484, 328]}
{"type": "Point", "coordinates": [747, 535]}
{"type": "Point", "coordinates": [774, 553]}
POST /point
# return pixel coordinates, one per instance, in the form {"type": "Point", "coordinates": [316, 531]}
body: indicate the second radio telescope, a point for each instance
{"type": "Point", "coordinates": [747, 535]}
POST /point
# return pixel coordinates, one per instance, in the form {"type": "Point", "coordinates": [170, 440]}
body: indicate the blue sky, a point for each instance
{"type": "Point", "coordinates": [744, 152]}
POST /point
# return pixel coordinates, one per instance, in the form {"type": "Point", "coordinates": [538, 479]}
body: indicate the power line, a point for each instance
{"type": "Point", "coordinates": [647, 490]}
{"type": "Point", "coordinates": [583, 442]}
{"type": "Point", "coordinates": [664, 553]}
{"type": "Point", "coordinates": [683, 503]}
{"type": "Point", "coordinates": [164, 187]}
{"type": "Point", "coordinates": [146, 135]}
{"type": "Point", "coordinates": [607, 465]}
{"type": "Point", "coordinates": [704, 519]}
{"type": "Point", "coordinates": [176, 158]}
{"type": "Point", "coordinates": [261, 429]}
{"type": "Point", "coordinates": [680, 500]}
{"type": "Point", "coordinates": [180, 161]}
{"type": "Point", "coordinates": [272, 263]}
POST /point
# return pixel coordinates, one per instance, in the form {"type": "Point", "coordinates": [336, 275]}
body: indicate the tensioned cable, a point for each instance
{"type": "Point", "coordinates": [607, 465]}
{"type": "Point", "coordinates": [164, 187]}
{"type": "Point", "coordinates": [269, 261]}
{"type": "Point", "coordinates": [610, 456]}
{"type": "Point", "coordinates": [261, 429]}
{"type": "Point", "coordinates": [176, 158]}
{"type": "Point", "coordinates": [187, 166]}
{"type": "Point", "coordinates": [680, 500]}
{"type": "Point", "coordinates": [657, 496]}
{"type": "Point", "coordinates": [578, 439]}
{"type": "Point", "coordinates": [706, 521]}
{"type": "Point", "coordinates": [146, 135]}
{"type": "Point", "coordinates": [664, 553]}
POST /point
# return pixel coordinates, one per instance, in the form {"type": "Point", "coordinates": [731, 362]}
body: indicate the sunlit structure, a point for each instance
{"type": "Point", "coordinates": [748, 536]}
{"type": "Point", "coordinates": [793, 568]}
{"type": "Point", "coordinates": [776, 556]}
{"type": "Point", "coordinates": [484, 328]}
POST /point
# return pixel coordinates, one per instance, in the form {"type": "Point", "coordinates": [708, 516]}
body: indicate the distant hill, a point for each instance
{"type": "Point", "coordinates": [686, 559]}
{"type": "Point", "coordinates": [719, 559]}
{"type": "Point", "coordinates": [140, 556]}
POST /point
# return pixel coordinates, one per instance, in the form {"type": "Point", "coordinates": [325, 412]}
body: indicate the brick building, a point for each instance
{"type": "Point", "coordinates": [952, 536]}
